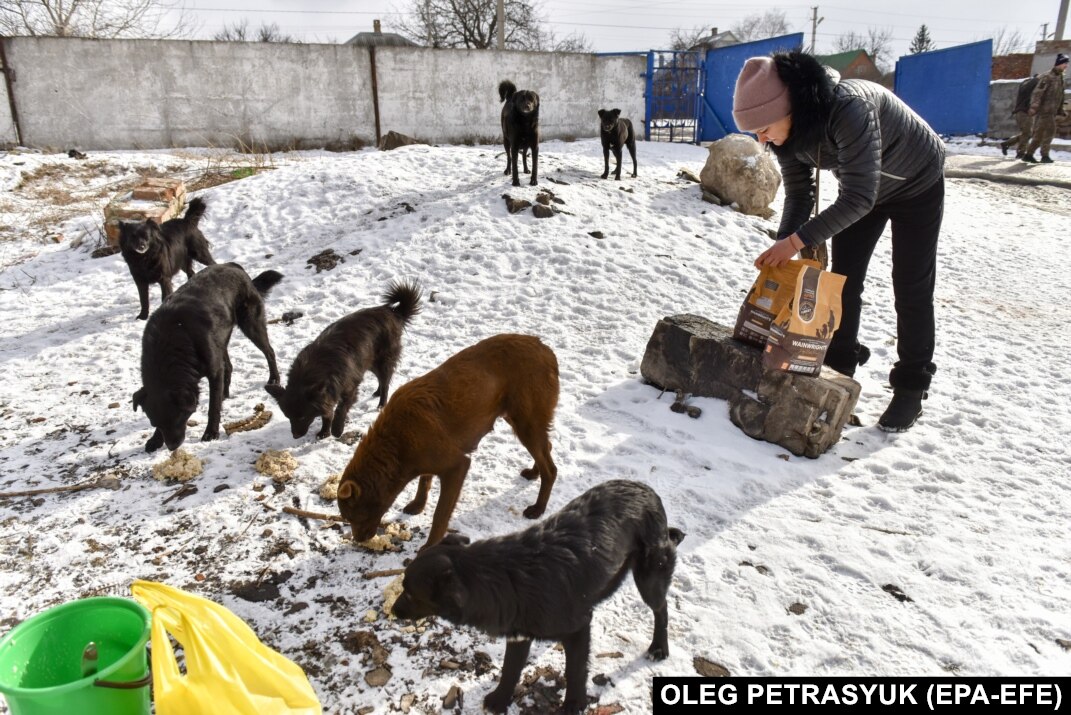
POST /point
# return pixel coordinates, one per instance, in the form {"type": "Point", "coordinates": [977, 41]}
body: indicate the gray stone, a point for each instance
{"type": "Point", "coordinates": [805, 415]}
{"type": "Point", "coordinates": [515, 205]}
{"type": "Point", "coordinates": [541, 211]}
{"type": "Point", "coordinates": [741, 172]}
{"type": "Point", "coordinates": [393, 140]}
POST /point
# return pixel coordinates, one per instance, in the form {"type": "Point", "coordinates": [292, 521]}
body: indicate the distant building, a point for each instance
{"type": "Point", "coordinates": [378, 38]}
{"type": "Point", "coordinates": [1013, 66]}
{"type": "Point", "coordinates": [854, 64]}
{"type": "Point", "coordinates": [715, 40]}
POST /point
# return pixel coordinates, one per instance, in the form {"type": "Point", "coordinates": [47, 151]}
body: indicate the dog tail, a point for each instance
{"type": "Point", "coordinates": [404, 299]}
{"type": "Point", "coordinates": [266, 281]}
{"type": "Point", "coordinates": [195, 211]}
{"type": "Point", "coordinates": [506, 89]}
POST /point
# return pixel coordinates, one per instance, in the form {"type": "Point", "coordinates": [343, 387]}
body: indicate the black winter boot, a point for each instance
{"type": "Point", "coordinates": [1029, 159]}
{"type": "Point", "coordinates": [903, 411]}
{"type": "Point", "coordinates": [909, 390]}
{"type": "Point", "coordinates": [1046, 160]}
{"type": "Point", "coordinates": [845, 361]}
{"type": "Point", "coordinates": [1003, 148]}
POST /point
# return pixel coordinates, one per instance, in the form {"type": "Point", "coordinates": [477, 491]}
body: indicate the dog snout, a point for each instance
{"type": "Point", "coordinates": [361, 533]}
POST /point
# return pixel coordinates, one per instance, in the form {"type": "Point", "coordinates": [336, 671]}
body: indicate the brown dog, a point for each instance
{"type": "Point", "coordinates": [433, 423]}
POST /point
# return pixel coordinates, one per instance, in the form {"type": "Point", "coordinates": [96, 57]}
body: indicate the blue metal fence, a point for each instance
{"type": "Point", "coordinates": [674, 82]}
{"type": "Point", "coordinates": [949, 88]}
{"type": "Point", "coordinates": [723, 65]}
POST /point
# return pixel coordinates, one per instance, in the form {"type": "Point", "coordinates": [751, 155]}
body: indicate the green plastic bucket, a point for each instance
{"type": "Point", "coordinates": [47, 669]}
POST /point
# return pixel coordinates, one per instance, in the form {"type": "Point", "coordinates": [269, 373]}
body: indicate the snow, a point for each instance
{"type": "Point", "coordinates": [966, 513]}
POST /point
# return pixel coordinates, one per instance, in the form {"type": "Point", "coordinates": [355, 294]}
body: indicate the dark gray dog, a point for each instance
{"type": "Point", "coordinates": [544, 582]}
{"type": "Point", "coordinates": [154, 253]}
{"type": "Point", "coordinates": [186, 339]}
{"type": "Point", "coordinates": [324, 378]}
{"type": "Point", "coordinates": [616, 133]}
{"type": "Point", "coordinates": [520, 128]}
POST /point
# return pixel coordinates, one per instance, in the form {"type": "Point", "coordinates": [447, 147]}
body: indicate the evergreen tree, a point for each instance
{"type": "Point", "coordinates": [922, 41]}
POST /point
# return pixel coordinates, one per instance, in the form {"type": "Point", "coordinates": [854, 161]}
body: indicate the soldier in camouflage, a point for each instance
{"type": "Point", "coordinates": [1045, 103]}
{"type": "Point", "coordinates": [1022, 118]}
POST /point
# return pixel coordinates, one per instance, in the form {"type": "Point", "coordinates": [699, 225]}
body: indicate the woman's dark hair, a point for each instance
{"type": "Point", "coordinates": [810, 92]}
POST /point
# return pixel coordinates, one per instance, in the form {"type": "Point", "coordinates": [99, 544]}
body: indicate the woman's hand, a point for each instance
{"type": "Point", "coordinates": [781, 252]}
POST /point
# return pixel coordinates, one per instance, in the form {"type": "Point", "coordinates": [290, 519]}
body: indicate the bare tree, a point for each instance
{"type": "Point", "coordinates": [682, 39]}
{"type": "Point", "coordinates": [239, 32]}
{"type": "Point", "coordinates": [93, 18]}
{"type": "Point", "coordinates": [877, 43]}
{"type": "Point", "coordinates": [771, 23]}
{"type": "Point", "coordinates": [1007, 42]}
{"type": "Point", "coordinates": [474, 24]}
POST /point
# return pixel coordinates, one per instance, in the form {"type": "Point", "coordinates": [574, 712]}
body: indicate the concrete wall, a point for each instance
{"type": "Point", "coordinates": [452, 95]}
{"type": "Point", "coordinates": [121, 94]}
{"type": "Point", "coordinates": [118, 94]}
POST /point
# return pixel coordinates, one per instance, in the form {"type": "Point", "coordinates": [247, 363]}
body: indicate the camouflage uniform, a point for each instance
{"type": "Point", "coordinates": [1045, 103]}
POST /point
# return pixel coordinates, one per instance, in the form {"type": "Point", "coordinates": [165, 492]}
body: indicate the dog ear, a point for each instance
{"type": "Point", "coordinates": [449, 592]}
{"type": "Point", "coordinates": [676, 535]}
{"type": "Point", "coordinates": [348, 490]}
{"type": "Point", "coordinates": [275, 390]}
{"type": "Point", "coordinates": [616, 113]}
{"type": "Point", "coordinates": [602, 114]}
{"type": "Point", "coordinates": [455, 540]}
{"type": "Point", "coordinates": [139, 399]}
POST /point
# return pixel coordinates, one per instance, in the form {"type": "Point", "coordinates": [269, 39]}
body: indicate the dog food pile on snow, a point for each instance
{"type": "Point", "coordinates": [180, 466]}
{"type": "Point", "coordinates": [329, 489]}
{"type": "Point", "coordinates": [277, 464]}
{"type": "Point", "coordinates": [395, 532]}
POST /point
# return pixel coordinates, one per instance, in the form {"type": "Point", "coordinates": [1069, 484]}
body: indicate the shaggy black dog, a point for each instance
{"type": "Point", "coordinates": [186, 339]}
{"type": "Point", "coordinates": [155, 253]}
{"type": "Point", "coordinates": [616, 133]}
{"type": "Point", "coordinates": [520, 128]}
{"type": "Point", "coordinates": [544, 582]}
{"type": "Point", "coordinates": [324, 378]}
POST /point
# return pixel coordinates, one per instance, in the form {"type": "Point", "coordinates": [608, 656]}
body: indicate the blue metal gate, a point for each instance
{"type": "Point", "coordinates": [674, 83]}
{"type": "Point", "coordinates": [723, 65]}
{"type": "Point", "coordinates": [949, 88]}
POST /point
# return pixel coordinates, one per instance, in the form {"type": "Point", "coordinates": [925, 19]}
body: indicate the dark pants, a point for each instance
{"type": "Point", "coordinates": [916, 223]}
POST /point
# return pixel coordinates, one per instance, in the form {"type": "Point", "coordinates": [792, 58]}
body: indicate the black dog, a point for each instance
{"type": "Point", "coordinates": [330, 369]}
{"type": "Point", "coordinates": [155, 253]}
{"type": "Point", "coordinates": [186, 339]}
{"type": "Point", "coordinates": [520, 128]}
{"type": "Point", "coordinates": [616, 133]}
{"type": "Point", "coordinates": [544, 582]}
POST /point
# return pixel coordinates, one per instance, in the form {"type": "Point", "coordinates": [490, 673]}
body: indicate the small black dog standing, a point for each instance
{"type": "Point", "coordinates": [616, 133]}
{"type": "Point", "coordinates": [520, 128]}
{"type": "Point", "coordinates": [154, 253]}
{"type": "Point", "coordinates": [186, 339]}
{"type": "Point", "coordinates": [324, 378]}
{"type": "Point", "coordinates": [544, 582]}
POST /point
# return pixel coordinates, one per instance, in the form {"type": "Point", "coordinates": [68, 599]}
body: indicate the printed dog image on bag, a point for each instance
{"type": "Point", "coordinates": [802, 331]}
{"type": "Point", "coordinates": [772, 291]}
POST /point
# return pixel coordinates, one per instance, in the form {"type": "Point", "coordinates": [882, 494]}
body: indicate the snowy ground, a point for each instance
{"type": "Point", "coordinates": [966, 514]}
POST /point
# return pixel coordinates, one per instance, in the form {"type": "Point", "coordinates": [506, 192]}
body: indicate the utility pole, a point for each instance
{"type": "Point", "coordinates": [816, 21]}
{"type": "Point", "coordinates": [1044, 31]}
{"type": "Point", "coordinates": [501, 10]}
{"type": "Point", "coordinates": [1061, 20]}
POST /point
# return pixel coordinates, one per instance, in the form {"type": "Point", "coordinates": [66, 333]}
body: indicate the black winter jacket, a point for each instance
{"type": "Point", "coordinates": [879, 150]}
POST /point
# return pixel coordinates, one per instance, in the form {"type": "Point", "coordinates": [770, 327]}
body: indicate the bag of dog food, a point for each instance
{"type": "Point", "coordinates": [771, 292]}
{"type": "Point", "coordinates": [801, 332]}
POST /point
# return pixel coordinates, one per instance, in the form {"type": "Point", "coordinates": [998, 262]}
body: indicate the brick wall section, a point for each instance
{"type": "Point", "coordinates": [1014, 66]}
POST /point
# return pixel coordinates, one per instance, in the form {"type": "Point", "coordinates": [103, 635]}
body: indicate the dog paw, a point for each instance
{"type": "Point", "coordinates": [574, 707]}
{"type": "Point", "coordinates": [516, 182]}
{"type": "Point", "coordinates": [209, 435]}
{"type": "Point", "coordinates": [533, 182]}
{"type": "Point", "coordinates": [534, 512]}
{"type": "Point", "coordinates": [324, 434]}
{"type": "Point", "coordinates": [497, 702]}
{"type": "Point", "coordinates": [657, 652]}
{"type": "Point", "coordinates": [530, 473]}
{"type": "Point", "coordinates": [143, 316]}
{"type": "Point", "coordinates": [414, 507]}
{"type": "Point", "coordinates": [155, 442]}
{"type": "Point", "coordinates": [604, 175]}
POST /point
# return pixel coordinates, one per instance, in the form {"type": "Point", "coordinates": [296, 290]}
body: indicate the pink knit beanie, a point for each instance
{"type": "Point", "coordinates": [761, 98]}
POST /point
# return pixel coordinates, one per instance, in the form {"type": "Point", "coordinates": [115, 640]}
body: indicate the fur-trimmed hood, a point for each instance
{"type": "Point", "coordinates": [811, 92]}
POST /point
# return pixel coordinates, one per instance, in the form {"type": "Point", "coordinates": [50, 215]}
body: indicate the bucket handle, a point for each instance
{"type": "Point", "coordinates": [129, 685]}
